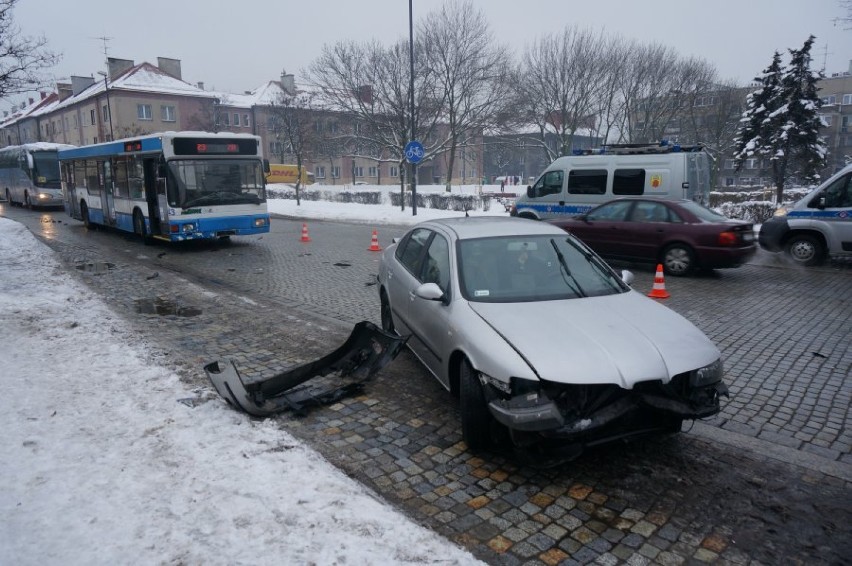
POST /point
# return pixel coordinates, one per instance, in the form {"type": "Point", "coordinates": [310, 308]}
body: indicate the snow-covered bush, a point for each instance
{"type": "Point", "coordinates": [445, 201]}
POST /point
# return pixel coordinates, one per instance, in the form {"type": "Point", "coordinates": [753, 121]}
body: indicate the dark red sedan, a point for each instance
{"type": "Point", "coordinates": [681, 234]}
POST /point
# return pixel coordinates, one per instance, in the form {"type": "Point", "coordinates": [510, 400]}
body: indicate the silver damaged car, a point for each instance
{"type": "Point", "coordinates": [541, 340]}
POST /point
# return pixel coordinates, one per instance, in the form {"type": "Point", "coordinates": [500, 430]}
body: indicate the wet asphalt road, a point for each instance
{"type": "Point", "coordinates": [767, 480]}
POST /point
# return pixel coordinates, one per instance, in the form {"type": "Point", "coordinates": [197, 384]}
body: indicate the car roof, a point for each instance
{"type": "Point", "coordinates": [488, 226]}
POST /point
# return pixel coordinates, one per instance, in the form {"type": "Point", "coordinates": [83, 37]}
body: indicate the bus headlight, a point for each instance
{"type": "Point", "coordinates": [43, 196]}
{"type": "Point", "coordinates": [190, 227]}
{"type": "Point", "coordinates": [260, 222]}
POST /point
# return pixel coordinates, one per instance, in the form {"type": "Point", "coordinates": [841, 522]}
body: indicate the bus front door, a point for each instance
{"type": "Point", "coordinates": [107, 196]}
{"type": "Point", "coordinates": [154, 217]}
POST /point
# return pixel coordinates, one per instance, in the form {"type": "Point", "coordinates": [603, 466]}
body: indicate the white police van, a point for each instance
{"type": "Point", "coordinates": [815, 227]}
{"type": "Point", "coordinates": [574, 184]}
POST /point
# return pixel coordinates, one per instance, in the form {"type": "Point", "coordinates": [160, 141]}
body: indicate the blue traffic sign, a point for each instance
{"type": "Point", "coordinates": [414, 151]}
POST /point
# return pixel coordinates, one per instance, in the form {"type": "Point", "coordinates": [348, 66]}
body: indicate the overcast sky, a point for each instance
{"type": "Point", "coordinates": [237, 46]}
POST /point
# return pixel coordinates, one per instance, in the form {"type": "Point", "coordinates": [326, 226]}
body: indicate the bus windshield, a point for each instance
{"type": "Point", "coordinates": [45, 168]}
{"type": "Point", "coordinates": [208, 182]}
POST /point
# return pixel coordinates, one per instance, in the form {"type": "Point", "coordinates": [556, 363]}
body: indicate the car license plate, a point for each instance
{"type": "Point", "coordinates": [748, 237]}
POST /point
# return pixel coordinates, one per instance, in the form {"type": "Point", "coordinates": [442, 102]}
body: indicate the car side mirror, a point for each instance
{"type": "Point", "coordinates": [821, 202]}
{"type": "Point", "coordinates": [430, 292]}
{"type": "Point", "coordinates": [627, 276]}
{"type": "Point", "coordinates": [530, 192]}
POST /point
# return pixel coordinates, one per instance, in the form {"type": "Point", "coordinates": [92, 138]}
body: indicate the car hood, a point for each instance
{"type": "Point", "coordinates": [619, 339]}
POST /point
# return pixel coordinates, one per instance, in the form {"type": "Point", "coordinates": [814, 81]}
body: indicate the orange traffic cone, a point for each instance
{"type": "Point", "coordinates": [305, 237]}
{"type": "Point", "coordinates": [374, 242]}
{"type": "Point", "coordinates": [659, 289]}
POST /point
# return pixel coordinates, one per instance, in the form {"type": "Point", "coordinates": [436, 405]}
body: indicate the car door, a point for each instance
{"type": "Point", "coordinates": [833, 214]}
{"type": "Point", "coordinates": [403, 275]}
{"type": "Point", "coordinates": [648, 229]}
{"type": "Point", "coordinates": [603, 229]}
{"type": "Point", "coordinates": [429, 318]}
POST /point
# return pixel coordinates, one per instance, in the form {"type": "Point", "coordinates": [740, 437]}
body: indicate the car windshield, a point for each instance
{"type": "Point", "coordinates": [215, 182]}
{"type": "Point", "coordinates": [533, 268]}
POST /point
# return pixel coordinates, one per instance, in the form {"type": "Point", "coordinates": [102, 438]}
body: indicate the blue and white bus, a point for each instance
{"type": "Point", "coordinates": [171, 186]}
{"type": "Point", "coordinates": [29, 174]}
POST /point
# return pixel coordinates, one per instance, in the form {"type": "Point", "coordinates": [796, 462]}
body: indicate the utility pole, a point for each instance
{"type": "Point", "coordinates": [106, 85]}
{"type": "Point", "coordinates": [411, 89]}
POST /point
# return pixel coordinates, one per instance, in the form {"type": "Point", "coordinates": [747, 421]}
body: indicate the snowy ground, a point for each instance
{"type": "Point", "coordinates": [105, 462]}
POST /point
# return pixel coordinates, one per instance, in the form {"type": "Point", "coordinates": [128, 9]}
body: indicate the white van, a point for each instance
{"type": "Point", "coordinates": [817, 226]}
{"type": "Point", "coordinates": [573, 184]}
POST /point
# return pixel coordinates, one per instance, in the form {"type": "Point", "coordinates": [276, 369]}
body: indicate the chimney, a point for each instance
{"type": "Point", "coordinates": [169, 66]}
{"type": "Point", "coordinates": [79, 84]}
{"type": "Point", "coordinates": [200, 85]}
{"type": "Point", "coordinates": [117, 66]}
{"type": "Point", "coordinates": [64, 90]}
{"type": "Point", "coordinates": [288, 83]}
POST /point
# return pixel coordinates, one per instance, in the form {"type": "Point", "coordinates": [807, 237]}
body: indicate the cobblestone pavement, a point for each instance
{"type": "Point", "coordinates": [767, 481]}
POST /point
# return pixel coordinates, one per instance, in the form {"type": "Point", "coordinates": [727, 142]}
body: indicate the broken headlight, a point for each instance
{"type": "Point", "coordinates": [707, 375]}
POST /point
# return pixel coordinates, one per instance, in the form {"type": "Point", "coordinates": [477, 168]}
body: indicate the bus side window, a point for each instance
{"type": "Point", "coordinates": [135, 178]}
{"type": "Point", "coordinates": [120, 177]}
{"type": "Point", "coordinates": [587, 181]}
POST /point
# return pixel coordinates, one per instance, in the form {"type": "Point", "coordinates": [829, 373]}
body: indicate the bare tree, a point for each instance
{"type": "Point", "coordinates": [293, 118]}
{"type": "Point", "coordinates": [560, 80]}
{"type": "Point", "coordinates": [369, 83]}
{"type": "Point", "coordinates": [469, 68]}
{"type": "Point", "coordinates": [22, 58]}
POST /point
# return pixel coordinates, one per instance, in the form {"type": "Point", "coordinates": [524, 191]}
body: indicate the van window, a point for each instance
{"type": "Point", "coordinates": [587, 182]}
{"type": "Point", "coordinates": [837, 195]}
{"type": "Point", "coordinates": [549, 184]}
{"type": "Point", "coordinates": [628, 182]}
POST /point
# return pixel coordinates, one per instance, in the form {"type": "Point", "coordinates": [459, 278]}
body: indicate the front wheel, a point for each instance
{"type": "Point", "coordinates": [387, 319]}
{"type": "Point", "coordinates": [678, 260]}
{"type": "Point", "coordinates": [475, 416]}
{"type": "Point", "coordinates": [139, 227]}
{"type": "Point", "coordinates": [805, 249]}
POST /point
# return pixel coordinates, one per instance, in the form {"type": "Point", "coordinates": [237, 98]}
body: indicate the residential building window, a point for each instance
{"type": "Point", "coordinates": [318, 127]}
{"type": "Point", "coordinates": [105, 113]}
{"type": "Point", "coordinates": [825, 119]}
{"type": "Point", "coordinates": [143, 112]}
{"type": "Point", "coordinates": [394, 171]}
{"type": "Point", "coordinates": [95, 139]}
{"type": "Point", "coordinates": [829, 100]}
{"type": "Point", "coordinates": [236, 119]}
{"type": "Point", "coordinates": [92, 115]}
{"type": "Point", "coordinates": [847, 99]}
{"type": "Point", "coordinates": [335, 172]}
{"type": "Point", "coordinates": [372, 171]}
{"type": "Point", "coordinates": [319, 172]}
{"type": "Point", "coordinates": [332, 127]}
{"type": "Point", "coordinates": [729, 182]}
{"type": "Point", "coordinates": [74, 120]}
{"type": "Point", "coordinates": [359, 171]}
{"type": "Point", "coordinates": [167, 113]}
{"type": "Point", "coordinates": [246, 120]}
{"type": "Point", "coordinates": [357, 127]}
{"type": "Point", "coordinates": [226, 119]}
{"type": "Point", "coordinates": [729, 164]}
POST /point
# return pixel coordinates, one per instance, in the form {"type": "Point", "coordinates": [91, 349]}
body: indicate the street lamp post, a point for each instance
{"type": "Point", "coordinates": [411, 90]}
{"type": "Point", "coordinates": [109, 108]}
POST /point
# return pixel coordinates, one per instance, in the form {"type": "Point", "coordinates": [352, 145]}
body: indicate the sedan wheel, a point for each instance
{"type": "Point", "coordinates": [475, 416]}
{"type": "Point", "coordinates": [387, 319]}
{"type": "Point", "coordinates": [805, 250]}
{"type": "Point", "coordinates": [678, 260]}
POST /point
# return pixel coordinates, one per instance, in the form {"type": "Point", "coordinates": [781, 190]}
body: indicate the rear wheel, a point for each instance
{"type": "Point", "coordinates": [805, 249]}
{"type": "Point", "coordinates": [678, 260]}
{"type": "Point", "coordinates": [84, 212]}
{"type": "Point", "coordinates": [139, 227]}
{"type": "Point", "coordinates": [475, 416]}
{"type": "Point", "coordinates": [387, 319]}
{"type": "Point", "coordinates": [27, 202]}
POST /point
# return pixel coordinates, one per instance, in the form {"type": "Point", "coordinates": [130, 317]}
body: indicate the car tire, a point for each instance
{"type": "Point", "coordinates": [139, 227]}
{"type": "Point", "coordinates": [804, 249]}
{"type": "Point", "coordinates": [387, 318]}
{"type": "Point", "coordinates": [475, 417]}
{"type": "Point", "coordinates": [678, 260]}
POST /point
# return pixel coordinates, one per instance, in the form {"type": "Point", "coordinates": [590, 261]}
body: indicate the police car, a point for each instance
{"type": "Point", "coordinates": [818, 226]}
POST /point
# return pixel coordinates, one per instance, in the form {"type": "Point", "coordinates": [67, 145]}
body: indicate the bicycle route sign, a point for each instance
{"type": "Point", "coordinates": [414, 152]}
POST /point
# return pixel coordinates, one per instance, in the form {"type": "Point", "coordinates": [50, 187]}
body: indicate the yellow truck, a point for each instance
{"type": "Point", "coordinates": [288, 174]}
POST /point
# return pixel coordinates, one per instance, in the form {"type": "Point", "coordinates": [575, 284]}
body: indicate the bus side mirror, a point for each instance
{"type": "Point", "coordinates": [266, 166]}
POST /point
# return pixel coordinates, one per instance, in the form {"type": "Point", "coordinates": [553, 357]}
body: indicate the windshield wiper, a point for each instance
{"type": "Point", "coordinates": [599, 264]}
{"type": "Point", "coordinates": [564, 266]}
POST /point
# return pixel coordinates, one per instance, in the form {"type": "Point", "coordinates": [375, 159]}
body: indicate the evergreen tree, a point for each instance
{"type": "Point", "coordinates": [781, 121]}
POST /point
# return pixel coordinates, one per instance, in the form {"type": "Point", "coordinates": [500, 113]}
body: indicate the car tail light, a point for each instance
{"type": "Point", "coordinates": [728, 238]}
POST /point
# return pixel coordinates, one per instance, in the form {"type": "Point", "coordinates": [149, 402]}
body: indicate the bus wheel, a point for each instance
{"type": "Point", "coordinates": [8, 197]}
{"type": "Point", "coordinates": [27, 202]}
{"type": "Point", "coordinates": [139, 227]}
{"type": "Point", "coordinates": [84, 212]}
